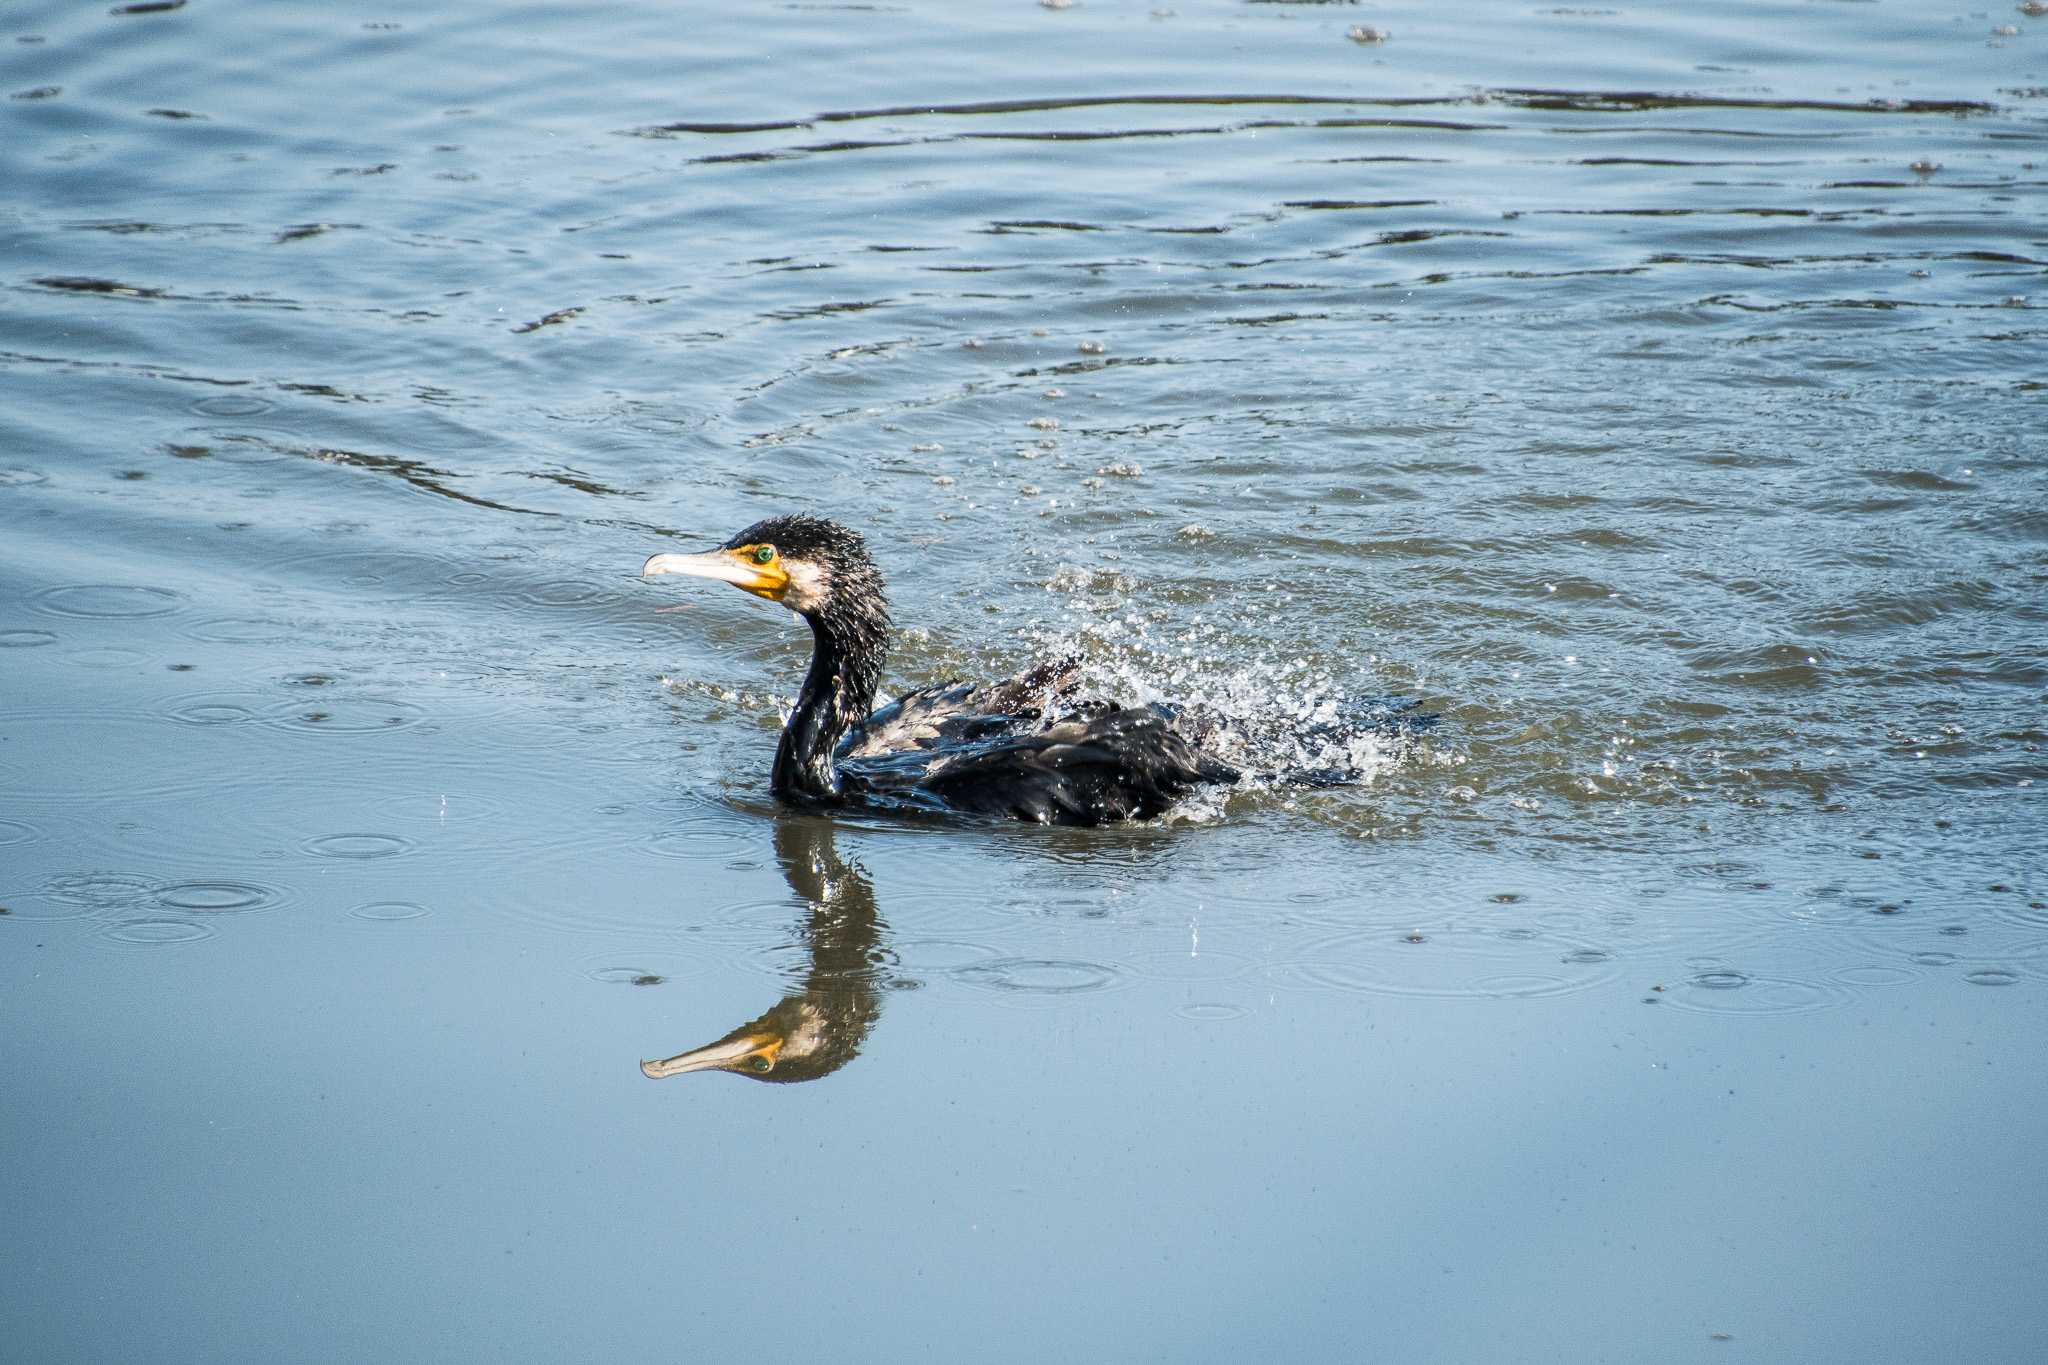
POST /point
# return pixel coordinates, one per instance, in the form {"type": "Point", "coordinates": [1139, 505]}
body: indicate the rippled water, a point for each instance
{"type": "Point", "coordinates": [1656, 393]}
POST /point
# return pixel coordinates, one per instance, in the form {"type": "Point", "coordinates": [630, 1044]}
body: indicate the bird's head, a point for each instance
{"type": "Point", "coordinates": [808, 564]}
{"type": "Point", "coordinates": [798, 1040]}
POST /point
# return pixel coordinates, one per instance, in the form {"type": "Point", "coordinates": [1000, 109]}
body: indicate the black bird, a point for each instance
{"type": "Point", "coordinates": [820, 1028]}
{"type": "Point", "coordinates": [1026, 748]}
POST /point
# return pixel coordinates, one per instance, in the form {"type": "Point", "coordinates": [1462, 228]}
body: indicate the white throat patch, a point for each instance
{"type": "Point", "coordinates": [810, 583]}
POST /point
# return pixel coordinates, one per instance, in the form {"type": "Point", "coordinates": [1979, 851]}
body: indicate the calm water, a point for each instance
{"type": "Point", "coordinates": [1657, 392]}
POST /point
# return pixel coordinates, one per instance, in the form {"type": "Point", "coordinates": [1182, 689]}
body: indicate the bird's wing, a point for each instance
{"type": "Point", "coordinates": [961, 713]}
{"type": "Point", "coordinates": [1121, 765]}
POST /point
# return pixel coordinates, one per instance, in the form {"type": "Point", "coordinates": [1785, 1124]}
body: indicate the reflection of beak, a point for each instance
{"type": "Point", "coordinates": [727, 566]}
{"type": "Point", "coordinates": [727, 1054]}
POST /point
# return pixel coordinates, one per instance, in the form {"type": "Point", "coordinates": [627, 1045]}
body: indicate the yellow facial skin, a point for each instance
{"type": "Point", "coordinates": [752, 1052]}
{"type": "Point", "coordinates": [751, 568]}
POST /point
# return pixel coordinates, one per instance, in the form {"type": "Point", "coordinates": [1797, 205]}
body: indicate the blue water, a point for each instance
{"type": "Point", "coordinates": [1656, 393]}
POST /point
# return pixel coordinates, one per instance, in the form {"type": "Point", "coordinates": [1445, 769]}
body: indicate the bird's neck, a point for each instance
{"type": "Point", "coordinates": [839, 691]}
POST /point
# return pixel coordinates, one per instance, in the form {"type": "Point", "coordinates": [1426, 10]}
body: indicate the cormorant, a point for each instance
{"type": "Point", "coordinates": [1025, 748]}
{"type": "Point", "coordinates": [820, 1028]}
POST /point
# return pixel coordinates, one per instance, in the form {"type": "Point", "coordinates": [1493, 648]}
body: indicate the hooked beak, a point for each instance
{"type": "Point", "coordinates": [727, 1054]}
{"type": "Point", "coordinates": [727, 566]}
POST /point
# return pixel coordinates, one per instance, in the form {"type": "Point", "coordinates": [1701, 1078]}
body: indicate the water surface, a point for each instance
{"type": "Point", "coordinates": [1655, 393]}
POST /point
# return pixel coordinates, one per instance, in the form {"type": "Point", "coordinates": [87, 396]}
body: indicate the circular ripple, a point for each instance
{"type": "Point", "coordinates": [106, 600]}
{"type": "Point", "coordinates": [102, 657]}
{"type": "Point", "coordinates": [219, 898]}
{"type": "Point", "coordinates": [26, 639]}
{"type": "Point", "coordinates": [1453, 963]}
{"type": "Point", "coordinates": [940, 955]}
{"type": "Point", "coordinates": [380, 571]}
{"type": "Point", "coordinates": [345, 715]}
{"type": "Point", "coordinates": [1039, 976]}
{"type": "Point", "coordinates": [389, 911]}
{"type": "Point", "coordinates": [455, 670]}
{"type": "Point", "coordinates": [566, 592]}
{"type": "Point", "coordinates": [626, 976]}
{"type": "Point", "coordinates": [239, 630]}
{"type": "Point", "coordinates": [230, 405]}
{"type": "Point", "coordinates": [16, 832]}
{"type": "Point", "coordinates": [100, 888]}
{"type": "Point", "coordinates": [17, 477]}
{"type": "Point", "coordinates": [1874, 974]}
{"type": "Point", "coordinates": [215, 708]}
{"type": "Point", "coordinates": [1992, 976]}
{"type": "Point", "coordinates": [1724, 990]}
{"type": "Point", "coordinates": [81, 893]}
{"type": "Point", "coordinates": [155, 933]}
{"type": "Point", "coordinates": [442, 808]}
{"type": "Point", "coordinates": [703, 838]}
{"type": "Point", "coordinates": [1216, 1012]}
{"type": "Point", "coordinates": [2020, 910]}
{"type": "Point", "coordinates": [633, 967]}
{"type": "Point", "coordinates": [357, 847]}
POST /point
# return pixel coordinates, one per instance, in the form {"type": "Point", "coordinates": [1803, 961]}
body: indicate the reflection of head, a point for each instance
{"type": "Point", "coordinates": [821, 1028]}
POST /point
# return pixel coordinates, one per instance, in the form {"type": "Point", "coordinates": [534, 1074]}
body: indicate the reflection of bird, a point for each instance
{"type": "Point", "coordinates": [1024, 748]}
{"type": "Point", "coordinates": [819, 1029]}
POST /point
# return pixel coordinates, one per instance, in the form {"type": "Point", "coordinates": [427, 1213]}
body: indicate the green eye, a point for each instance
{"type": "Point", "coordinates": [765, 555]}
{"type": "Point", "coordinates": [758, 1064]}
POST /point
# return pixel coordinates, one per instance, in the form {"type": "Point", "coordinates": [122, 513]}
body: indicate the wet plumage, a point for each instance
{"type": "Point", "coordinates": [1027, 748]}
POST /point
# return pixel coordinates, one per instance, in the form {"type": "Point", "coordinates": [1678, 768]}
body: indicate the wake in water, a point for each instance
{"type": "Point", "coordinates": [1281, 723]}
